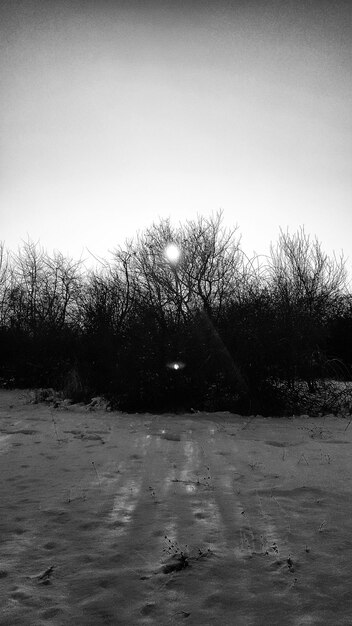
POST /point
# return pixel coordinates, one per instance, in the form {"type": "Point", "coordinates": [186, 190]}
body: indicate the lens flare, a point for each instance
{"type": "Point", "coordinates": [176, 365]}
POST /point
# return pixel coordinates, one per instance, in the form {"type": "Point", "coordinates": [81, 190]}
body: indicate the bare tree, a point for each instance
{"type": "Point", "coordinates": [44, 290]}
{"type": "Point", "coordinates": [304, 276]}
{"type": "Point", "coordinates": [208, 272]}
{"type": "Point", "coordinates": [212, 263]}
{"type": "Point", "coordinates": [5, 285]}
{"type": "Point", "coordinates": [156, 281]}
{"type": "Point", "coordinates": [109, 295]}
{"type": "Point", "coordinates": [307, 286]}
{"type": "Point", "coordinates": [62, 283]}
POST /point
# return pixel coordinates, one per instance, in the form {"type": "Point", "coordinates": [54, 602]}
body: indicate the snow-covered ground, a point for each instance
{"type": "Point", "coordinates": [204, 519]}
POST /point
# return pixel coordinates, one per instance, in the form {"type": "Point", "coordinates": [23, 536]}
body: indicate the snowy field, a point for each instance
{"type": "Point", "coordinates": [203, 519]}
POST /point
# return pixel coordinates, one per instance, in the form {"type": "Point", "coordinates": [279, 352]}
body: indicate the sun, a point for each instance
{"type": "Point", "coordinates": [172, 252]}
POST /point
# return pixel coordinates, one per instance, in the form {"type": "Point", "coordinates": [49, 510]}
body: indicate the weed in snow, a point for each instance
{"type": "Point", "coordinates": [179, 558]}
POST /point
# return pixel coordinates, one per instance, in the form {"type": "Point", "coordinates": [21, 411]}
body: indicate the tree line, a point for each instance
{"type": "Point", "coordinates": [212, 330]}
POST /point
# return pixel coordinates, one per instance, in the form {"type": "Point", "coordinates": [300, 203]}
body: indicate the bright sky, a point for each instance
{"type": "Point", "coordinates": [116, 113]}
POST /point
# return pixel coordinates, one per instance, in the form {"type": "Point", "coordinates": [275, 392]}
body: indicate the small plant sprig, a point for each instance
{"type": "Point", "coordinates": [322, 526]}
{"type": "Point", "coordinates": [290, 565]}
{"type": "Point", "coordinates": [348, 424]}
{"type": "Point", "coordinates": [254, 465]}
{"type": "Point", "coordinates": [55, 428]}
{"type": "Point", "coordinates": [96, 471]}
{"type": "Point", "coordinates": [180, 558]}
{"type": "Point", "coordinates": [302, 457]}
{"type": "Point", "coordinates": [172, 547]}
{"type": "Point", "coordinates": [327, 457]}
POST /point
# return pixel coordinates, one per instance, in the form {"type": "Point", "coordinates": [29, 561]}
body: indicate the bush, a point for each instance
{"type": "Point", "coordinates": [254, 338]}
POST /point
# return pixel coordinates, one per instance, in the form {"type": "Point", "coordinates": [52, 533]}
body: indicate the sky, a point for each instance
{"type": "Point", "coordinates": [116, 114]}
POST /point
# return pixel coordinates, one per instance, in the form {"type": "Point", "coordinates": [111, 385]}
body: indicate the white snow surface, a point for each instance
{"type": "Point", "coordinates": [202, 519]}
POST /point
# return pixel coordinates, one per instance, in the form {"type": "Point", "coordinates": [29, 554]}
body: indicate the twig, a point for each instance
{"type": "Point", "coordinates": [55, 428]}
{"type": "Point", "coordinates": [44, 578]}
{"type": "Point", "coordinates": [95, 469]}
{"type": "Point", "coordinates": [348, 424]}
{"type": "Point", "coordinates": [302, 456]}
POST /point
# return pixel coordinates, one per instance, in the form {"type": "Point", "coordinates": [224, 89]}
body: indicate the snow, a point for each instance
{"type": "Point", "coordinates": [211, 519]}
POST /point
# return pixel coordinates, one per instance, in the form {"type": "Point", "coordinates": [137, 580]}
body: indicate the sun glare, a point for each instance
{"type": "Point", "coordinates": [172, 252]}
{"type": "Point", "coordinates": [176, 365]}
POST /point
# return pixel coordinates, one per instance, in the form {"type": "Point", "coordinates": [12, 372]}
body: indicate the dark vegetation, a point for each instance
{"type": "Point", "coordinates": [251, 335]}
